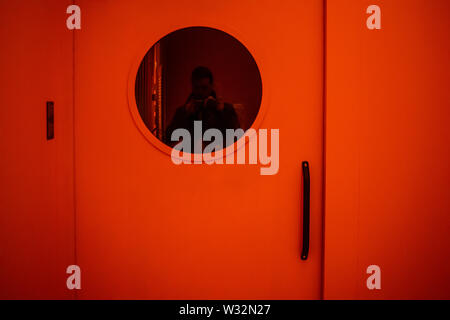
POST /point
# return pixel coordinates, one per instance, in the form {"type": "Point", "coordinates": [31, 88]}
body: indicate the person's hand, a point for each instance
{"type": "Point", "coordinates": [215, 103]}
{"type": "Point", "coordinates": [190, 106]}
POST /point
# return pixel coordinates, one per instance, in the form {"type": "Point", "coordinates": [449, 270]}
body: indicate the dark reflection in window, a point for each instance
{"type": "Point", "coordinates": [197, 74]}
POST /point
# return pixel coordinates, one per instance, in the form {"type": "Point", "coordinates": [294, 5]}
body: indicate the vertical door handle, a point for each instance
{"type": "Point", "coordinates": [50, 120]}
{"type": "Point", "coordinates": [306, 194]}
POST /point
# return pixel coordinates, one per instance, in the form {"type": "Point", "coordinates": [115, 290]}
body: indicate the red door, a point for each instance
{"type": "Point", "coordinates": [36, 174]}
{"type": "Point", "coordinates": [387, 184]}
{"type": "Point", "coordinates": [147, 228]}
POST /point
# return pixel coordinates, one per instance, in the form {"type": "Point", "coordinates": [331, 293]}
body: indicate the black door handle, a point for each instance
{"type": "Point", "coordinates": [50, 120]}
{"type": "Point", "coordinates": [306, 194]}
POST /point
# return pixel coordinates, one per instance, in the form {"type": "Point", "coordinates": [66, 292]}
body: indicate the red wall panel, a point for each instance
{"type": "Point", "coordinates": [36, 175]}
{"type": "Point", "coordinates": [387, 137]}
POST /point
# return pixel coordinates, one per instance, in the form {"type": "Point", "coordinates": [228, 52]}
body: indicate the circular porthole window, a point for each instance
{"type": "Point", "coordinates": [197, 78]}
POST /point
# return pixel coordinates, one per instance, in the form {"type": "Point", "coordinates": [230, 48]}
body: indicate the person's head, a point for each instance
{"type": "Point", "coordinates": [202, 83]}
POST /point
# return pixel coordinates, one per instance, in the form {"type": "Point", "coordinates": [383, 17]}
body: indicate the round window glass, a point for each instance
{"type": "Point", "coordinates": [196, 79]}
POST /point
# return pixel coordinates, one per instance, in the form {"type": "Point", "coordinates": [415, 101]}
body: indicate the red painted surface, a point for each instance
{"type": "Point", "coordinates": [146, 228]}
{"type": "Point", "coordinates": [36, 175]}
{"type": "Point", "coordinates": [387, 156]}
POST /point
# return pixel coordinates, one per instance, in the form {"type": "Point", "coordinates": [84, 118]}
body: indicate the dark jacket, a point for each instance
{"type": "Point", "coordinates": [211, 117]}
